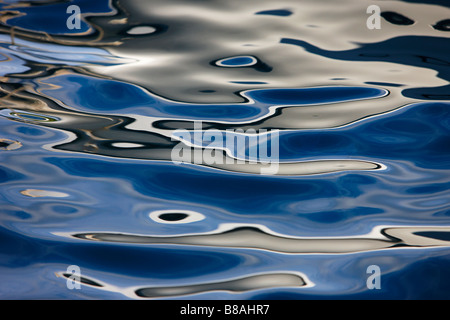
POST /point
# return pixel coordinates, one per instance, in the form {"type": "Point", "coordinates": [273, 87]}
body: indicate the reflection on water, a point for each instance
{"type": "Point", "coordinates": [253, 237]}
{"type": "Point", "coordinates": [88, 118]}
{"type": "Point", "coordinates": [245, 284]}
{"type": "Point", "coordinates": [8, 145]}
{"type": "Point", "coordinates": [254, 282]}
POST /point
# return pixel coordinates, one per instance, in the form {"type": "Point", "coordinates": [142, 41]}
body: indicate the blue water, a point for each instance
{"type": "Point", "coordinates": [86, 177]}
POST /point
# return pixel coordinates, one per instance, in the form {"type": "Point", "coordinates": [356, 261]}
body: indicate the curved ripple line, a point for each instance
{"type": "Point", "coordinates": [249, 283]}
{"type": "Point", "coordinates": [252, 282]}
{"type": "Point", "coordinates": [255, 237]}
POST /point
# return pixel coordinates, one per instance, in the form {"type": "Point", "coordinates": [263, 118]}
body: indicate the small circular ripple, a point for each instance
{"type": "Point", "coordinates": [237, 62]}
{"type": "Point", "coordinates": [176, 216]}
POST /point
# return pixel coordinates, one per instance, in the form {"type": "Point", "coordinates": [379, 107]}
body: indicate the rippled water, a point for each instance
{"type": "Point", "coordinates": [88, 116]}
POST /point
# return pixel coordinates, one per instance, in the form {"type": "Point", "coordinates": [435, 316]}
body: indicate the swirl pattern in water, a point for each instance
{"type": "Point", "coordinates": [340, 188]}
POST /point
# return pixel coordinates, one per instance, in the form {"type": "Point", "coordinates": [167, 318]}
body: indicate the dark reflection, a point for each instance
{"type": "Point", "coordinates": [83, 280]}
{"type": "Point", "coordinates": [248, 82]}
{"type": "Point", "coordinates": [256, 282]}
{"type": "Point", "coordinates": [396, 18]}
{"type": "Point", "coordinates": [385, 84]}
{"type": "Point", "coordinates": [442, 236]}
{"type": "Point", "coordinates": [443, 25]}
{"type": "Point", "coordinates": [173, 216]}
{"type": "Point", "coordinates": [279, 12]}
{"type": "Point", "coordinates": [418, 51]}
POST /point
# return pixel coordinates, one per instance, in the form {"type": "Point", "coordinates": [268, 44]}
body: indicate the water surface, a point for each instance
{"type": "Point", "coordinates": [87, 120]}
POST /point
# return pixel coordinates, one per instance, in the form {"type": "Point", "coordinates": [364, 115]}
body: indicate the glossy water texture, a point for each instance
{"type": "Point", "coordinates": [87, 126]}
